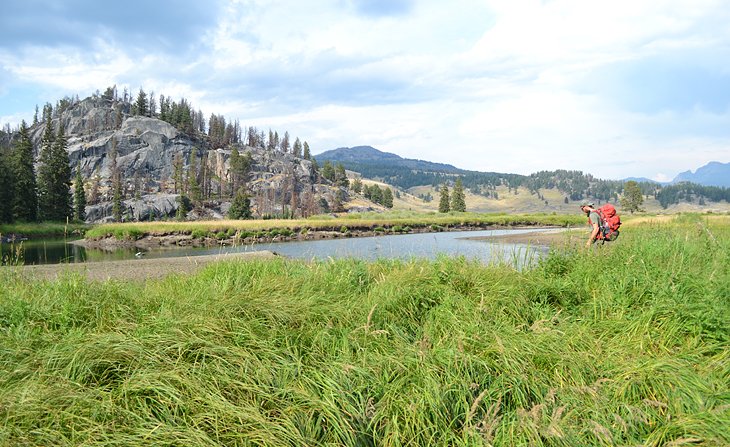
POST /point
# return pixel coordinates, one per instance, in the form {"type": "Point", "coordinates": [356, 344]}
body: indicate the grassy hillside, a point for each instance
{"type": "Point", "coordinates": [631, 350]}
{"type": "Point", "coordinates": [525, 202]}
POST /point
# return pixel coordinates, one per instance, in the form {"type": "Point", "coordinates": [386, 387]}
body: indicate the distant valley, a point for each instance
{"type": "Point", "coordinates": [545, 191]}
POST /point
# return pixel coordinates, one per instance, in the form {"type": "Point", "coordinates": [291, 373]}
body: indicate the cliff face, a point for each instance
{"type": "Point", "coordinates": [146, 149]}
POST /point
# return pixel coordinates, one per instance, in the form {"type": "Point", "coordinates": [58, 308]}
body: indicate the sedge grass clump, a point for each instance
{"type": "Point", "coordinates": [625, 344]}
{"type": "Point", "coordinates": [199, 234]}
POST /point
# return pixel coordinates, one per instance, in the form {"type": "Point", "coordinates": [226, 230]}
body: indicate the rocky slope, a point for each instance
{"type": "Point", "coordinates": [147, 147]}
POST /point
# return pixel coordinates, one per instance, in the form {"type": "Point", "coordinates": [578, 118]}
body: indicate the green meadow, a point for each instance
{"type": "Point", "coordinates": [625, 344]}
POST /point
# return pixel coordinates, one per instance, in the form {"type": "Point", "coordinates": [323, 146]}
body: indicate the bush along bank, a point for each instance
{"type": "Point", "coordinates": [625, 344]}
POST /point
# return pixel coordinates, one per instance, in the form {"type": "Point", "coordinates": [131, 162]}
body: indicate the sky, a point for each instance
{"type": "Point", "coordinates": [615, 89]}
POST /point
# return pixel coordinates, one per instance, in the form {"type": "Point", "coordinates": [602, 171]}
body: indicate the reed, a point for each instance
{"type": "Point", "coordinates": [626, 344]}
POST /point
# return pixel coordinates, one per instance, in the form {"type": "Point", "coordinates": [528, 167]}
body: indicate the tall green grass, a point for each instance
{"type": "Point", "coordinates": [47, 229]}
{"type": "Point", "coordinates": [626, 344]}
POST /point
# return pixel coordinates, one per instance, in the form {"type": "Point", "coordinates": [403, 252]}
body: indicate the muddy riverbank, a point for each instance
{"type": "Point", "coordinates": [134, 269]}
{"type": "Point", "coordinates": [549, 237]}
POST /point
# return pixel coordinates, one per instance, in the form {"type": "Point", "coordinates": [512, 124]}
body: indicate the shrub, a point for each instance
{"type": "Point", "coordinates": [199, 234]}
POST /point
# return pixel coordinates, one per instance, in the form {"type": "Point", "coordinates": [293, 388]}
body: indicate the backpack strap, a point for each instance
{"type": "Point", "coordinates": [603, 229]}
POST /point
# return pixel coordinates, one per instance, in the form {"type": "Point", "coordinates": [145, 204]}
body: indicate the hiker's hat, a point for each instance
{"type": "Point", "coordinates": [587, 203]}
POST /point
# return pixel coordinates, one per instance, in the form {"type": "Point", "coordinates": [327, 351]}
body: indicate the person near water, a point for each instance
{"type": "Point", "coordinates": [594, 219]}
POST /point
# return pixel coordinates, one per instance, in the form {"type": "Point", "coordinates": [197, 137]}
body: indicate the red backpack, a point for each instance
{"type": "Point", "coordinates": [610, 222]}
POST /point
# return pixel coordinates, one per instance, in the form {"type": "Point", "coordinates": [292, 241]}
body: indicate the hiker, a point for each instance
{"type": "Point", "coordinates": [604, 222]}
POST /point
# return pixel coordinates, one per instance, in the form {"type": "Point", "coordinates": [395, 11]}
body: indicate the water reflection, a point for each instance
{"type": "Point", "coordinates": [56, 251]}
{"type": "Point", "coordinates": [406, 246]}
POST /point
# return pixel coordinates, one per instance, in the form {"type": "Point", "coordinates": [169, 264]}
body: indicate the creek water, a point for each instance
{"type": "Point", "coordinates": [404, 246]}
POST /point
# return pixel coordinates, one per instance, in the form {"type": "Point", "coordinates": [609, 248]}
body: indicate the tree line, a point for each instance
{"type": "Point", "coordinates": [454, 200]}
{"type": "Point", "coordinates": [27, 195]}
{"type": "Point", "coordinates": [685, 191]}
{"type": "Point", "coordinates": [575, 185]}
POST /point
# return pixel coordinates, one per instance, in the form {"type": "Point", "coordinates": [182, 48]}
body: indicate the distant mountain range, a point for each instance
{"type": "Point", "coordinates": [644, 179]}
{"type": "Point", "coordinates": [712, 174]}
{"type": "Point", "coordinates": [372, 162]}
{"type": "Point", "coordinates": [708, 182]}
{"type": "Point", "coordinates": [368, 155]}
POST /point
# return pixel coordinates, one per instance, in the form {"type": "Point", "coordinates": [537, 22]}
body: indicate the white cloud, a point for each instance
{"type": "Point", "coordinates": [481, 84]}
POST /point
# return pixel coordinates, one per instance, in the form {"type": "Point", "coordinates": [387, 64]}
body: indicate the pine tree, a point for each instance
{"type": "Point", "coordinates": [55, 177]}
{"type": "Point", "coordinates": [25, 204]}
{"type": "Point", "coordinates": [6, 188]}
{"type": "Point", "coordinates": [297, 148]}
{"type": "Point", "coordinates": [444, 206]}
{"type": "Point", "coordinates": [62, 168]}
{"type": "Point", "coordinates": [79, 197]}
{"type": "Point", "coordinates": [271, 142]}
{"type": "Point", "coordinates": [141, 106]}
{"type": "Point", "coordinates": [44, 169]}
{"type": "Point", "coordinates": [307, 153]}
{"type": "Point", "coordinates": [241, 206]}
{"type": "Point", "coordinates": [182, 208]}
{"type": "Point", "coordinates": [164, 108]}
{"type": "Point", "coordinates": [116, 184]}
{"type": "Point", "coordinates": [387, 198]}
{"type": "Point", "coordinates": [632, 198]}
{"type": "Point", "coordinates": [328, 171]}
{"type": "Point", "coordinates": [458, 202]}
{"type": "Point", "coordinates": [357, 185]}
{"type": "Point", "coordinates": [376, 194]}
{"type": "Point", "coordinates": [284, 144]}
{"type": "Point", "coordinates": [341, 176]}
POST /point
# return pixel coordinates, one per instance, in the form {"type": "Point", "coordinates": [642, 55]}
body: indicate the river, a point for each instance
{"type": "Point", "coordinates": [404, 246]}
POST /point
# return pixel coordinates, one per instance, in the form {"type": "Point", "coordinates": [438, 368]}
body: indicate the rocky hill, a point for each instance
{"type": "Point", "coordinates": [711, 174]}
{"type": "Point", "coordinates": [278, 182]}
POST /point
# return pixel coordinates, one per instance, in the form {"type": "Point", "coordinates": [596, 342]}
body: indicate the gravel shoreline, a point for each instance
{"type": "Point", "coordinates": [551, 237]}
{"type": "Point", "coordinates": [135, 269]}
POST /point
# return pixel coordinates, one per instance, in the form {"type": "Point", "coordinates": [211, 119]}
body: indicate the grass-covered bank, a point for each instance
{"type": "Point", "coordinates": [625, 345]}
{"type": "Point", "coordinates": [44, 229]}
{"type": "Point", "coordinates": [355, 221]}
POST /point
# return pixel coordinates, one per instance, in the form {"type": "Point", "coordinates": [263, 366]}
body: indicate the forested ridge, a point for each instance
{"type": "Point", "coordinates": [575, 185]}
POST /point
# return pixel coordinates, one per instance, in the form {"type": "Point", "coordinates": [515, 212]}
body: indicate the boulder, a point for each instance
{"type": "Point", "coordinates": [148, 207]}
